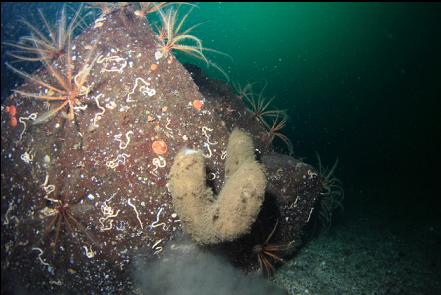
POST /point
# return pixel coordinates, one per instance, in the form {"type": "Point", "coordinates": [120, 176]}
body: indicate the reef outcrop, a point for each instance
{"type": "Point", "coordinates": [83, 197]}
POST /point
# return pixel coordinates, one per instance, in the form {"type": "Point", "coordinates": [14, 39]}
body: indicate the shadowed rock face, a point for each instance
{"type": "Point", "coordinates": [295, 187]}
{"type": "Point", "coordinates": [82, 198]}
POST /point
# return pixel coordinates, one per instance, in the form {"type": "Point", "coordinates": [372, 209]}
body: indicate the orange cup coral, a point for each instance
{"type": "Point", "coordinates": [13, 122]}
{"type": "Point", "coordinates": [12, 110]}
{"type": "Point", "coordinates": [159, 147]}
{"type": "Point", "coordinates": [198, 104]}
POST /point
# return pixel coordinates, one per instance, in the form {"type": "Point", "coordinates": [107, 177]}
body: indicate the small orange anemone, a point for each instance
{"type": "Point", "coordinates": [13, 122]}
{"type": "Point", "coordinates": [159, 147]}
{"type": "Point", "coordinates": [139, 13]}
{"type": "Point", "coordinates": [153, 67]}
{"type": "Point", "coordinates": [198, 104]}
{"type": "Point", "coordinates": [11, 110]}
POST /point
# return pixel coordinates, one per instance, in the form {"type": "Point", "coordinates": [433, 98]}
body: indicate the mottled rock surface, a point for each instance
{"type": "Point", "coordinates": [80, 199]}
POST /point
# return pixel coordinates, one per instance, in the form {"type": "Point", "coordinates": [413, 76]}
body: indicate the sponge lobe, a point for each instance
{"type": "Point", "coordinates": [210, 220]}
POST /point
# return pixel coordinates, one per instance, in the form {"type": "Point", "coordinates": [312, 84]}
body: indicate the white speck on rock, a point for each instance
{"type": "Point", "coordinates": [151, 92]}
{"type": "Point", "coordinates": [158, 55]}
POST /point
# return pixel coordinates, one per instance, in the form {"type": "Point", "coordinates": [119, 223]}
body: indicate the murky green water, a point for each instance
{"type": "Point", "coordinates": [359, 81]}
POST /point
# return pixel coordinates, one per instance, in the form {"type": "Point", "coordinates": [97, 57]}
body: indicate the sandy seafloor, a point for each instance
{"type": "Point", "coordinates": [368, 253]}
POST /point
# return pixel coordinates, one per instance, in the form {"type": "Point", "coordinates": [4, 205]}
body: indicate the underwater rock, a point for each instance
{"type": "Point", "coordinates": [295, 187]}
{"type": "Point", "coordinates": [83, 195]}
{"type": "Point", "coordinates": [291, 196]}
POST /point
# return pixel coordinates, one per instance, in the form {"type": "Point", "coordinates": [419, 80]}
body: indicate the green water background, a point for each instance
{"type": "Point", "coordinates": [360, 81]}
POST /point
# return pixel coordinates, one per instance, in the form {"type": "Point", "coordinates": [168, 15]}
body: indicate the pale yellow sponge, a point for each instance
{"type": "Point", "coordinates": [209, 219]}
